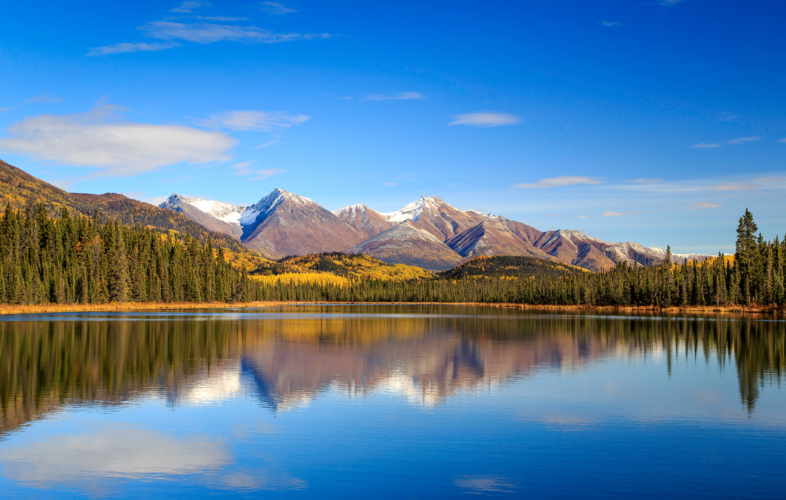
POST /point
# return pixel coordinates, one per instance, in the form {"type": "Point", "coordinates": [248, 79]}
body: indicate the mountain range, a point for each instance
{"type": "Point", "coordinates": [428, 232]}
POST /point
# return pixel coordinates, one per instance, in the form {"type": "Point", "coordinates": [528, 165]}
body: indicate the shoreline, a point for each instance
{"type": "Point", "coordinates": [182, 306]}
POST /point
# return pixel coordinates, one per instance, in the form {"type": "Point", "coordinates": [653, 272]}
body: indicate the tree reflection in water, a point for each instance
{"type": "Point", "coordinates": [428, 354]}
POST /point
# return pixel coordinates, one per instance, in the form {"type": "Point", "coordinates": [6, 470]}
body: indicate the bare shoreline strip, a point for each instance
{"type": "Point", "coordinates": [148, 306]}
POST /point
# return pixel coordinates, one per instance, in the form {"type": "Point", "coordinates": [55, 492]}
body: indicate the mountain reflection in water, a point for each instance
{"type": "Point", "coordinates": [288, 361]}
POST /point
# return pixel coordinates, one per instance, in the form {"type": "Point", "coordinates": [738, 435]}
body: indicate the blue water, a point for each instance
{"type": "Point", "coordinates": [391, 402]}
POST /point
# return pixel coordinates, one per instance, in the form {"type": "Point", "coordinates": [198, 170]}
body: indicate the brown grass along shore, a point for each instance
{"type": "Point", "coordinates": [147, 306]}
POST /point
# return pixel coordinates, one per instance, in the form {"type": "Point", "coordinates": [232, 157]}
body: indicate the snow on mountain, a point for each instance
{"type": "Point", "coordinates": [487, 215]}
{"type": "Point", "coordinates": [270, 202]}
{"type": "Point", "coordinates": [225, 212]}
{"type": "Point", "coordinates": [351, 211]}
{"type": "Point", "coordinates": [413, 211]}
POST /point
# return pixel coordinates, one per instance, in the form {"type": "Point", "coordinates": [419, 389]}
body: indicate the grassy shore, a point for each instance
{"type": "Point", "coordinates": [147, 306]}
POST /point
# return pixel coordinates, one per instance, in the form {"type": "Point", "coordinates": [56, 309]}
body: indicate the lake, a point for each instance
{"type": "Point", "coordinates": [391, 402]}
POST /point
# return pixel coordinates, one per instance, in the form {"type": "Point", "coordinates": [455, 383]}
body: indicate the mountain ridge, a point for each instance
{"type": "Point", "coordinates": [282, 223]}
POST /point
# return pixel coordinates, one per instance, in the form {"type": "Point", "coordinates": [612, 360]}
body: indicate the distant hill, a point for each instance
{"type": "Point", "coordinates": [340, 264]}
{"type": "Point", "coordinates": [406, 244]}
{"type": "Point", "coordinates": [21, 190]}
{"type": "Point", "coordinates": [511, 266]}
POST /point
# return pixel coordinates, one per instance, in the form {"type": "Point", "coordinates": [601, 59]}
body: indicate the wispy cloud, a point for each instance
{"type": "Point", "coordinates": [743, 140]}
{"type": "Point", "coordinates": [189, 6]}
{"type": "Point", "coordinates": [609, 24]}
{"type": "Point", "coordinates": [552, 182]}
{"type": "Point", "coordinates": [3, 110]}
{"type": "Point", "coordinates": [669, 3]}
{"type": "Point", "coordinates": [726, 117]}
{"type": "Point", "coordinates": [254, 120]}
{"type": "Point", "coordinates": [122, 48]}
{"type": "Point", "coordinates": [205, 33]}
{"type": "Point", "coordinates": [779, 140]}
{"type": "Point", "coordinates": [221, 18]}
{"type": "Point", "coordinates": [268, 143]}
{"type": "Point", "coordinates": [485, 119]}
{"type": "Point", "coordinates": [774, 182]}
{"type": "Point", "coordinates": [244, 168]}
{"type": "Point", "coordinates": [738, 140]}
{"type": "Point", "coordinates": [275, 8]}
{"type": "Point", "coordinates": [99, 138]}
{"type": "Point", "coordinates": [201, 33]}
{"type": "Point", "coordinates": [644, 181]}
{"type": "Point", "coordinates": [45, 99]}
{"type": "Point", "coordinates": [735, 186]}
{"type": "Point", "coordinates": [699, 205]}
{"type": "Point", "coordinates": [619, 214]}
{"type": "Point", "coordinates": [264, 174]}
{"type": "Point", "coordinates": [395, 97]}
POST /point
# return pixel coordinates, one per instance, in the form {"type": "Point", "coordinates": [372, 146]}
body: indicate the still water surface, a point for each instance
{"type": "Point", "coordinates": [390, 402]}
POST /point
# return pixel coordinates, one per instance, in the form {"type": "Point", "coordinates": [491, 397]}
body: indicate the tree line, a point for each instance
{"type": "Point", "coordinates": [83, 260]}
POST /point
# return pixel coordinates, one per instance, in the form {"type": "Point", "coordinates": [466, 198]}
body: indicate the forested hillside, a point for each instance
{"type": "Point", "coordinates": [21, 190]}
{"type": "Point", "coordinates": [512, 267]}
{"type": "Point", "coordinates": [341, 264]}
{"type": "Point", "coordinates": [76, 259]}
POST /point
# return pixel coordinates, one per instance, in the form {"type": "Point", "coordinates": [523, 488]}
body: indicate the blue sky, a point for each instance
{"type": "Point", "coordinates": [652, 121]}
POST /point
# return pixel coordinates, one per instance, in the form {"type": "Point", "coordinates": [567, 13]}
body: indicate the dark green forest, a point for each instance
{"type": "Point", "coordinates": [81, 260]}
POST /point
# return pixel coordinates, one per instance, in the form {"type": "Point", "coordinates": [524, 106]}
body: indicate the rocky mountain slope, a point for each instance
{"type": "Point", "coordinates": [406, 244]}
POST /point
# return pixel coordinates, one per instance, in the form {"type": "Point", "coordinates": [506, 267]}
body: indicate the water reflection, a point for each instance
{"type": "Point", "coordinates": [289, 361]}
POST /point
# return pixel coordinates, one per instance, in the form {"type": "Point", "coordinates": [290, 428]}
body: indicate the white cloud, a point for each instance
{"type": "Point", "coordinates": [125, 452]}
{"type": "Point", "coordinates": [726, 117]}
{"type": "Point", "coordinates": [100, 139]}
{"type": "Point", "coordinates": [609, 24]}
{"type": "Point", "coordinates": [395, 97]}
{"type": "Point", "coordinates": [268, 143]}
{"type": "Point", "coordinates": [743, 140]}
{"type": "Point", "coordinates": [780, 140]}
{"type": "Point", "coordinates": [618, 214]}
{"type": "Point", "coordinates": [254, 120]}
{"type": "Point", "coordinates": [706, 145]}
{"type": "Point", "coordinates": [485, 119]}
{"type": "Point", "coordinates": [644, 181]}
{"type": "Point", "coordinates": [123, 48]}
{"type": "Point", "coordinates": [552, 182]}
{"type": "Point", "coordinates": [204, 33]}
{"type": "Point", "coordinates": [275, 8]}
{"type": "Point", "coordinates": [187, 7]}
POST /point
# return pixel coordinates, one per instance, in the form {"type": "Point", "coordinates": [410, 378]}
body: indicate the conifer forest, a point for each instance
{"type": "Point", "coordinates": [74, 259]}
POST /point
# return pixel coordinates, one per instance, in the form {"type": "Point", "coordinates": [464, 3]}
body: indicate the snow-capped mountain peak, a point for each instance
{"type": "Point", "coordinates": [414, 210]}
{"type": "Point", "coordinates": [269, 202]}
